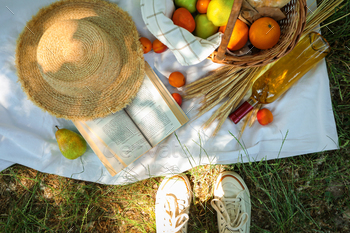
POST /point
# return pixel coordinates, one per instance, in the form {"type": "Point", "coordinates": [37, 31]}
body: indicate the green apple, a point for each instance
{"type": "Point", "coordinates": [190, 5]}
{"type": "Point", "coordinates": [204, 27]}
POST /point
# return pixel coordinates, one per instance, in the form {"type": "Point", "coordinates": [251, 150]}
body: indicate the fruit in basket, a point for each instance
{"type": "Point", "coordinates": [264, 116]}
{"type": "Point", "coordinates": [202, 6]}
{"type": "Point", "coordinates": [204, 27]}
{"type": "Point", "coordinates": [183, 18]}
{"type": "Point", "coordinates": [219, 11]}
{"type": "Point", "coordinates": [190, 5]}
{"type": "Point", "coordinates": [264, 33]}
{"type": "Point", "coordinates": [177, 79]}
{"type": "Point", "coordinates": [177, 97]}
{"type": "Point", "coordinates": [71, 144]}
{"type": "Point", "coordinates": [239, 36]}
{"type": "Point", "coordinates": [158, 47]}
{"type": "Point", "coordinates": [146, 44]}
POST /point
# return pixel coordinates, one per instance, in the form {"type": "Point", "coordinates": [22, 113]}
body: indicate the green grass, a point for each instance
{"type": "Point", "coordinates": [307, 193]}
{"type": "Point", "coordinates": [32, 201]}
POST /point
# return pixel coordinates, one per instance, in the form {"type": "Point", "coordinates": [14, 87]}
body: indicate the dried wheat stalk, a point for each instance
{"type": "Point", "coordinates": [225, 82]}
{"type": "Point", "coordinates": [324, 10]}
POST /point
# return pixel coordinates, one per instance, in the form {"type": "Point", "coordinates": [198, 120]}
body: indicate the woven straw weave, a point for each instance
{"type": "Point", "coordinates": [80, 59]}
{"type": "Point", "coordinates": [291, 29]}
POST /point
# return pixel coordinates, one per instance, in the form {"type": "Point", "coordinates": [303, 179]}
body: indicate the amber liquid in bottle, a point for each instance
{"type": "Point", "coordinates": [284, 73]}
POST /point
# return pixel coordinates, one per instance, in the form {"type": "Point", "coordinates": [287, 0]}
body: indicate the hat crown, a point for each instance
{"type": "Point", "coordinates": [72, 54]}
{"type": "Point", "coordinates": [80, 59]}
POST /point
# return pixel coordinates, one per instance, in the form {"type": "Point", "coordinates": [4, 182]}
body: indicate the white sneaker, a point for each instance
{"type": "Point", "coordinates": [232, 203]}
{"type": "Point", "coordinates": [172, 204]}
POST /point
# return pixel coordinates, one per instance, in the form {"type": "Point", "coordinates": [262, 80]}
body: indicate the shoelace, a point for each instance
{"type": "Point", "coordinates": [175, 213]}
{"type": "Point", "coordinates": [230, 208]}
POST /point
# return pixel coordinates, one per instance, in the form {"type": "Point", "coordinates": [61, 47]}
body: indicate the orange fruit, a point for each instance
{"type": "Point", "coordinates": [264, 33]}
{"type": "Point", "coordinates": [183, 18]}
{"type": "Point", "coordinates": [158, 47]}
{"type": "Point", "coordinates": [146, 44]}
{"type": "Point", "coordinates": [177, 97]}
{"type": "Point", "coordinates": [239, 36]}
{"type": "Point", "coordinates": [202, 6]}
{"type": "Point", "coordinates": [264, 116]}
{"type": "Point", "coordinates": [176, 79]}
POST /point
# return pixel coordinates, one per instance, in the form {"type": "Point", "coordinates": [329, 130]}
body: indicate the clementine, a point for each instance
{"type": "Point", "coordinates": [239, 36]}
{"type": "Point", "coordinates": [183, 18]}
{"type": "Point", "coordinates": [264, 33]}
{"type": "Point", "coordinates": [177, 97]}
{"type": "Point", "coordinates": [158, 47]}
{"type": "Point", "coordinates": [202, 6]}
{"type": "Point", "coordinates": [146, 44]}
{"type": "Point", "coordinates": [264, 116]}
{"type": "Point", "coordinates": [177, 79]}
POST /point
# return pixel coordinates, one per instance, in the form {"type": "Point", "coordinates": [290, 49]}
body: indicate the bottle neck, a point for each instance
{"type": "Point", "coordinates": [252, 101]}
{"type": "Point", "coordinates": [243, 110]}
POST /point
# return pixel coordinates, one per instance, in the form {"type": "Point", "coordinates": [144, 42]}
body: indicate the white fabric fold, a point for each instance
{"type": "Point", "coordinates": [5, 164]}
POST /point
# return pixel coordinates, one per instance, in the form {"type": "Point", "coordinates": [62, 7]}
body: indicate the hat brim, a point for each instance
{"type": "Point", "coordinates": [114, 21]}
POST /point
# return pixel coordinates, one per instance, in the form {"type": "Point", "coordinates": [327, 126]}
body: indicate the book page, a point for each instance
{"type": "Point", "coordinates": [152, 114]}
{"type": "Point", "coordinates": [113, 165]}
{"type": "Point", "coordinates": [120, 135]}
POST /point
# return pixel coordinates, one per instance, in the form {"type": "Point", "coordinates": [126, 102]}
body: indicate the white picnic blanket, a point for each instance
{"type": "Point", "coordinates": [303, 117]}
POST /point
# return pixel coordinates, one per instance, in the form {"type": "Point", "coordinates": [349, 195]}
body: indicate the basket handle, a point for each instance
{"type": "Point", "coordinates": [237, 4]}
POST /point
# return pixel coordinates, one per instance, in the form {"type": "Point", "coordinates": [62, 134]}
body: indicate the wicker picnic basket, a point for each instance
{"type": "Point", "coordinates": [291, 29]}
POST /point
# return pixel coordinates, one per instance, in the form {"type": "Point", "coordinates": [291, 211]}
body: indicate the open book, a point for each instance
{"type": "Point", "coordinates": [122, 137]}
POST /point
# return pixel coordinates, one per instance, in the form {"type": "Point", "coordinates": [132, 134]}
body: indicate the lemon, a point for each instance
{"type": "Point", "coordinates": [219, 11]}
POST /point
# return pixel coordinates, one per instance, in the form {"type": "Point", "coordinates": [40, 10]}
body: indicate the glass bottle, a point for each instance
{"type": "Point", "coordinates": [284, 73]}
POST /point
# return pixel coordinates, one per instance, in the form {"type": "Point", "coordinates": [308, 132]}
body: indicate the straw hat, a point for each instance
{"type": "Point", "coordinates": [80, 59]}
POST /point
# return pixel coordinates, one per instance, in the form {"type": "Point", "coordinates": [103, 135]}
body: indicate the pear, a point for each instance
{"type": "Point", "coordinates": [219, 11]}
{"type": "Point", "coordinates": [71, 144]}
